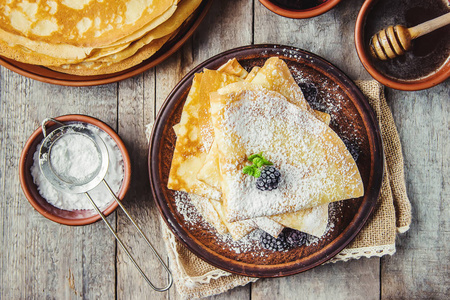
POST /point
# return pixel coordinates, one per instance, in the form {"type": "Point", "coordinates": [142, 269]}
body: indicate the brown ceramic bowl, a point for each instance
{"type": "Point", "coordinates": [351, 118]}
{"type": "Point", "coordinates": [426, 64]}
{"type": "Point", "coordinates": [49, 76]}
{"type": "Point", "coordinates": [294, 13]}
{"type": "Point", "coordinates": [76, 217]}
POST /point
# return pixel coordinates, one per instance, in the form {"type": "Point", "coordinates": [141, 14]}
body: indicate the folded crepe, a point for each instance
{"type": "Point", "coordinates": [203, 84]}
{"type": "Point", "coordinates": [194, 139]}
{"type": "Point", "coordinates": [314, 163]}
{"type": "Point", "coordinates": [210, 173]}
{"type": "Point", "coordinates": [195, 135]}
{"type": "Point", "coordinates": [312, 221]}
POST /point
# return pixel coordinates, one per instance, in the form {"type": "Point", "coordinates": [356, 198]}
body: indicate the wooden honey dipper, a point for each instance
{"type": "Point", "coordinates": [395, 40]}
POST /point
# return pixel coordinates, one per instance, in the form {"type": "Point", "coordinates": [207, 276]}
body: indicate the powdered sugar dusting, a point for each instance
{"type": "Point", "coordinates": [294, 140]}
{"type": "Point", "coordinates": [193, 218]}
{"type": "Point", "coordinates": [186, 208]}
{"type": "Point", "coordinates": [268, 225]}
{"type": "Point", "coordinates": [331, 100]}
{"type": "Point", "coordinates": [249, 244]}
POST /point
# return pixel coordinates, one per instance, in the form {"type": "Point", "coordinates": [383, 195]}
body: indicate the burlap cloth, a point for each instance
{"type": "Point", "coordinates": [195, 278]}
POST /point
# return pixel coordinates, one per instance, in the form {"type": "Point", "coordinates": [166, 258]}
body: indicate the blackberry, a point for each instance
{"type": "Point", "coordinates": [269, 179]}
{"type": "Point", "coordinates": [296, 238]}
{"type": "Point", "coordinates": [309, 91]}
{"type": "Point", "coordinates": [353, 148]}
{"type": "Point", "coordinates": [274, 244]}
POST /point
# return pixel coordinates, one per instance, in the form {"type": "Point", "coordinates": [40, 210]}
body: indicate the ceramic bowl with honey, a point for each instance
{"type": "Point", "coordinates": [426, 64]}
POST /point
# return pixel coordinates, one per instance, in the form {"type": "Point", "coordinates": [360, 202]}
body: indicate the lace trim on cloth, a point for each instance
{"type": "Point", "coordinates": [181, 277]}
{"type": "Point", "coordinates": [402, 229]}
{"type": "Point", "coordinates": [367, 252]}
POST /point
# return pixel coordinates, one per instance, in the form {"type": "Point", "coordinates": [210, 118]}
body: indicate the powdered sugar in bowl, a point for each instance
{"type": "Point", "coordinates": [75, 209]}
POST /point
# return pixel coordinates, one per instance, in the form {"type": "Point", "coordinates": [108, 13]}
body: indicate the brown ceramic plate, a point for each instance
{"type": "Point", "coordinates": [352, 119]}
{"type": "Point", "coordinates": [46, 75]}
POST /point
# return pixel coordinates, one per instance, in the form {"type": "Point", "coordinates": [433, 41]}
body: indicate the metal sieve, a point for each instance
{"type": "Point", "coordinates": [62, 181]}
{"type": "Point", "coordinates": [70, 184]}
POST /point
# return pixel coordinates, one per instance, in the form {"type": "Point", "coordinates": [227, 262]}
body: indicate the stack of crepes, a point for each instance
{"type": "Point", "coordinates": [89, 37]}
{"type": "Point", "coordinates": [230, 114]}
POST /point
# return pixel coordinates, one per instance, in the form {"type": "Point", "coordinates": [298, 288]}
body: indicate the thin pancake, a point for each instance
{"type": "Point", "coordinates": [210, 174]}
{"type": "Point", "coordinates": [184, 10]}
{"type": "Point", "coordinates": [205, 207]}
{"type": "Point", "coordinates": [85, 23]}
{"type": "Point", "coordinates": [93, 68]}
{"type": "Point", "coordinates": [314, 162]}
{"type": "Point", "coordinates": [189, 153]}
{"type": "Point", "coordinates": [311, 220]}
{"type": "Point", "coordinates": [237, 230]}
{"type": "Point", "coordinates": [193, 142]}
{"type": "Point", "coordinates": [233, 67]}
{"type": "Point", "coordinates": [72, 59]}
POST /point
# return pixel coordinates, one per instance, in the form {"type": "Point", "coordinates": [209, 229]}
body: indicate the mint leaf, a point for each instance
{"type": "Point", "coordinates": [252, 157]}
{"type": "Point", "coordinates": [258, 161]}
{"type": "Point", "coordinates": [248, 170]}
{"type": "Point", "coordinates": [266, 162]}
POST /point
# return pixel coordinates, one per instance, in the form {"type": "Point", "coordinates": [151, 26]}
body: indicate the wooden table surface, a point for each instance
{"type": "Point", "coordinates": [41, 259]}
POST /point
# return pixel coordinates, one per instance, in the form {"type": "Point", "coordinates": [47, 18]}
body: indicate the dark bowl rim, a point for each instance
{"type": "Point", "coordinates": [347, 236]}
{"type": "Point", "coordinates": [23, 172]}
{"type": "Point", "coordinates": [300, 13]}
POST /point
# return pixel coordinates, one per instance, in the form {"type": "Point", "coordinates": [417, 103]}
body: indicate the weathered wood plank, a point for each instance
{"type": "Point", "coordinates": [358, 279]}
{"type": "Point", "coordinates": [238, 293]}
{"type": "Point", "coordinates": [42, 259]}
{"type": "Point", "coordinates": [136, 109]}
{"type": "Point", "coordinates": [329, 35]}
{"type": "Point", "coordinates": [229, 24]}
{"type": "Point", "coordinates": [420, 268]}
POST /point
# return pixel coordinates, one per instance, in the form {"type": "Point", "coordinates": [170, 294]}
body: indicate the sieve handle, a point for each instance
{"type": "Point", "coordinates": [123, 246]}
{"type": "Point", "coordinates": [44, 123]}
